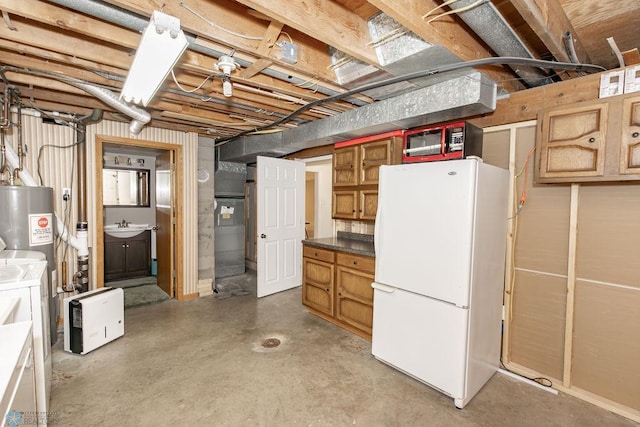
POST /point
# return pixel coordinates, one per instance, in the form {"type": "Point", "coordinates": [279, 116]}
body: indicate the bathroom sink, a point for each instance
{"type": "Point", "coordinates": [130, 230]}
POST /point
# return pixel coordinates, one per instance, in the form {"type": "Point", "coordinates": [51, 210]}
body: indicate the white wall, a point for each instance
{"type": "Point", "coordinates": [323, 170]}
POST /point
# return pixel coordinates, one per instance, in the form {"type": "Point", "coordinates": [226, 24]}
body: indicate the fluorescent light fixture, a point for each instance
{"type": "Point", "coordinates": [162, 44]}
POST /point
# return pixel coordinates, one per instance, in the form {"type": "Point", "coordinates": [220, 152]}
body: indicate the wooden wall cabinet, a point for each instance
{"type": "Point", "coordinates": [591, 141]}
{"type": "Point", "coordinates": [127, 258]}
{"type": "Point", "coordinates": [337, 287]}
{"type": "Point", "coordinates": [355, 177]}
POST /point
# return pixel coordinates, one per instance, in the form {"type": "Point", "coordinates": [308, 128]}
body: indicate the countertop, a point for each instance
{"type": "Point", "coordinates": [354, 243]}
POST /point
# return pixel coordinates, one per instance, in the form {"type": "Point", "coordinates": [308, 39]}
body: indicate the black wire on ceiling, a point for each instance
{"type": "Point", "coordinates": [419, 74]}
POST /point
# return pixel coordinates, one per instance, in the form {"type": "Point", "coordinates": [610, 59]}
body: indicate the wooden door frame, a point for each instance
{"type": "Point", "coordinates": [98, 253]}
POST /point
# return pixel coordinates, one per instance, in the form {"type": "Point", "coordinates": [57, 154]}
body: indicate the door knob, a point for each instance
{"type": "Point", "coordinates": [263, 236]}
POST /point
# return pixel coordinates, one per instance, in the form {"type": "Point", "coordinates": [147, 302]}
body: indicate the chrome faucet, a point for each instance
{"type": "Point", "coordinates": [123, 224]}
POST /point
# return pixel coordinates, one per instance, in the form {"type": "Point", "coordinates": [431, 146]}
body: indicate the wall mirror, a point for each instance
{"type": "Point", "coordinates": [125, 187]}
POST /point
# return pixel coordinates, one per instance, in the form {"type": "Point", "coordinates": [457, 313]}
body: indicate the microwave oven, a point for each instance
{"type": "Point", "coordinates": [448, 141]}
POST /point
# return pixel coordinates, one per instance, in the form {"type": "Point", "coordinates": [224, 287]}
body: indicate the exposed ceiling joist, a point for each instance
{"type": "Point", "coordinates": [549, 21]}
{"type": "Point", "coordinates": [328, 22]}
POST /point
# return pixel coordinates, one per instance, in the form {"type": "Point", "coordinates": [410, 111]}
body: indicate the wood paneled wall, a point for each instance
{"type": "Point", "coordinates": [572, 310]}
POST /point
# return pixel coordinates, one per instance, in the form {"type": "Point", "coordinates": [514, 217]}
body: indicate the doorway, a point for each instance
{"type": "Point", "coordinates": [168, 209]}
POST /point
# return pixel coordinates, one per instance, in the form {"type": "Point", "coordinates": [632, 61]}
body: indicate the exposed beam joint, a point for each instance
{"type": "Point", "coordinates": [549, 21]}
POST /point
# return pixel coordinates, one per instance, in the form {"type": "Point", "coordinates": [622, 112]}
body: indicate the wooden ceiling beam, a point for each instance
{"type": "Point", "coordinates": [65, 20]}
{"type": "Point", "coordinates": [549, 21]}
{"type": "Point", "coordinates": [268, 41]}
{"type": "Point", "coordinates": [64, 44]}
{"type": "Point", "coordinates": [48, 40]}
{"type": "Point", "coordinates": [313, 58]}
{"type": "Point", "coordinates": [448, 32]}
{"type": "Point", "coordinates": [326, 21]}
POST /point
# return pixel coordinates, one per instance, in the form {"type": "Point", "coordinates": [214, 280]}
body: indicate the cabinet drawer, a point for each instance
{"type": "Point", "coordinates": [317, 253]}
{"type": "Point", "coordinates": [357, 262]}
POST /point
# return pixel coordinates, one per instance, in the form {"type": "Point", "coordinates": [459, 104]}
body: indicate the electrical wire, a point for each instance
{"type": "Point", "coordinates": [447, 3]}
{"type": "Point", "coordinates": [543, 381]}
{"type": "Point", "coordinates": [209, 77]}
{"type": "Point", "coordinates": [518, 204]}
{"type": "Point", "coordinates": [419, 74]}
{"type": "Point", "coordinates": [459, 10]}
{"type": "Point", "coordinates": [214, 25]}
{"type": "Point", "coordinates": [40, 151]}
{"type": "Point", "coordinates": [287, 34]}
{"type": "Point", "coordinates": [525, 168]}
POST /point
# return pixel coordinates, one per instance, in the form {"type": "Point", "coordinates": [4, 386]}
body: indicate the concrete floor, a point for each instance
{"type": "Point", "coordinates": [201, 362]}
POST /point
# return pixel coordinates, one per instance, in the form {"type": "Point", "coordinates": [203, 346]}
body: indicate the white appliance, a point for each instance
{"type": "Point", "coordinates": [92, 319]}
{"type": "Point", "coordinates": [440, 238]}
{"type": "Point", "coordinates": [17, 384]}
{"type": "Point", "coordinates": [28, 283]}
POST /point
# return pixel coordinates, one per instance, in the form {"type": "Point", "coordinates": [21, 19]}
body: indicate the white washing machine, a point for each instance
{"type": "Point", "coordinates": [23, 279]}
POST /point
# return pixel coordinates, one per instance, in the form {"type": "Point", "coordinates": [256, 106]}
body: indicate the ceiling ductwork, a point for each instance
{"type": "Point", "coordinates": [487, 22]}
{"type": "Point", "coordinates": [399, 52]}
{"type": "Point", "coordinates": [461, 96]}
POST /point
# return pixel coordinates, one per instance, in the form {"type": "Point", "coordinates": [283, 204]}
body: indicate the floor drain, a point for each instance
{"type": "Point", "coordinates": [271, 343]}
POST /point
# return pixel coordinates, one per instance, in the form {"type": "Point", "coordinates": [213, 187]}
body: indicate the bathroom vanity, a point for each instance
{"type": "Point", "coordinates": [127, 257]}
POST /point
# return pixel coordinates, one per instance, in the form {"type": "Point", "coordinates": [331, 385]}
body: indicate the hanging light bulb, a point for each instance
{"type": "Point", "coordinates": [227, 65]}
{"type": "Point", "coordinates": [227, 86]}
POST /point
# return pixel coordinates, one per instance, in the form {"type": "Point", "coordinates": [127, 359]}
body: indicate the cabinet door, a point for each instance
{"type": "Point", "coordinates": [317, 285]}
{"type": "Point", "coordinates": [345, 204]}
{"type": "Point", "coordinates": [115, 255]}
{"type": "Point", "coordinates": [368, 204]}
{"type": "Point", "coordinates": [372, 156]}
{"type": "Point", "coordinates": [354, 298]}
{"type": "Point", "coordinates": [138, 260]}
{"type": "Point", "coordinates": [345, 166]}
{"type": "Point", "coordinates": [630, 138]}
{"type": "Point", "coordinates": [572, 141]}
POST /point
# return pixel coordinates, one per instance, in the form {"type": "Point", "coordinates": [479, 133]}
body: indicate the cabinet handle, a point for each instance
{"type": "Point", "coordinates": [355, 262]}
{"type": "Point", "coordinates": [315, 254]}
{"type": "Point", "coordinates": [327, 289]}
{"type": "Point", "coordinates": [592, 139]}
{"type": "Point", "coordinates": [635, 134]}
{"type": "Point", "coordinates": [127, 245]}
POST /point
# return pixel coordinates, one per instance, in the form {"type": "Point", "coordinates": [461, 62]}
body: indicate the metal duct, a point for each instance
{"type": "Point", "coordinates": [399, 52]}
{"type": "Point", "coordinates": [463, 96]}
{"type": "Point", "coordinates": [131, 21]}
{"type": "Point", "coordinates": [487, 22]}
{"type": "Point", "coordinates": [140, 117]}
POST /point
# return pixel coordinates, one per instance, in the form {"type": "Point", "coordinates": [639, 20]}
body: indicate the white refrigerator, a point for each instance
{"type": "Point", "coordinates": [440, 238]}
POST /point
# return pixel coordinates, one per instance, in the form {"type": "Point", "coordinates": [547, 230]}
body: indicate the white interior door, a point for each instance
{"type": "Point", "coordinates": [280, 213]}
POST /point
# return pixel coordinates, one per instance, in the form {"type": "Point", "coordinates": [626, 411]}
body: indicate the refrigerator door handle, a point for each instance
{"type": "Point", "coordinates": [383, 288]}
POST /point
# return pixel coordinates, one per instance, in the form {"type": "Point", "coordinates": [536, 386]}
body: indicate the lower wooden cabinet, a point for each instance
{"type": "Point", "coordinates": [318, 288]}
{"type": "Point", "coordinates": [127, 258]}
{"type": "Point", "coordinates": [337, 287]}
